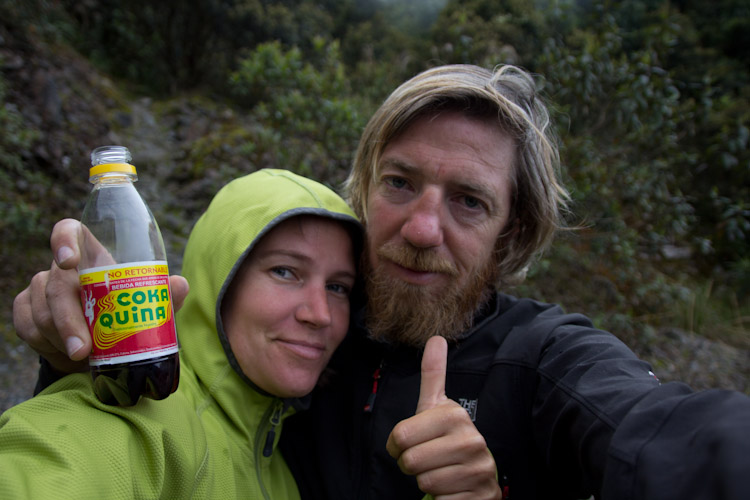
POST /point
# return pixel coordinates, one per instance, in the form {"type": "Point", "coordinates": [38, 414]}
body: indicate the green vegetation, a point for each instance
{"type": "Point", "coordinates": [651, 99]}
{"type": "Point", "coordinates": [310, 117]}
{"type": "Point", "coordinates": [17, 215]}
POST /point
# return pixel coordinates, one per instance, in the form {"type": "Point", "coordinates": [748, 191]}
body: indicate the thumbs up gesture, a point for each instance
{"type": "Point", "coordinates": [440, 444]}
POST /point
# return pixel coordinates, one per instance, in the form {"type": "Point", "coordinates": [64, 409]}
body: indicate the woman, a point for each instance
{"type": "Point", "coordinates": [271, 265]}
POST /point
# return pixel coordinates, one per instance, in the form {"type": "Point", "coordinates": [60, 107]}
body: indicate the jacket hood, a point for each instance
{"type": "Point", "coordinates": [238, 216]}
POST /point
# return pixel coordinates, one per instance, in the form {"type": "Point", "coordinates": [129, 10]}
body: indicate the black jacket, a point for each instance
{"type": "Point", "coordinates": [567, 411]}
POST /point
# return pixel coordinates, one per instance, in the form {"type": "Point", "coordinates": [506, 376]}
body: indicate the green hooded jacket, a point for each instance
{"type": "Point", "coordinates": [215, 437]}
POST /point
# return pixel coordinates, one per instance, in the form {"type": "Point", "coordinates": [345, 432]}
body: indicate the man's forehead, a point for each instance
{"type": "Point", "coordinates": [461, 149]}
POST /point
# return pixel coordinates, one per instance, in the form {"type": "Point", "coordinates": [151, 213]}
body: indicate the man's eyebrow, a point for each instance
{"type": "Point", "coordinates": [480, 189]}
{"type": "Point", "coordinates": [398, 165]}
{"type": "Point", "coordinates": [476, 188]}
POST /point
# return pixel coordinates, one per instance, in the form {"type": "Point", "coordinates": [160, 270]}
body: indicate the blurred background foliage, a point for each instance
{"type": "Point", "coordinates": [651, 101]}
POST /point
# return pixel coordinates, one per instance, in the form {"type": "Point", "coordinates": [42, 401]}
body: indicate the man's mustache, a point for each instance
{"type": "Point", "coordinates": [416, 259]}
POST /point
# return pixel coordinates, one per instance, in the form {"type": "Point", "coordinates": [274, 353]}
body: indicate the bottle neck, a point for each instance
{"type": "Point", "coordinates": [112, 178]}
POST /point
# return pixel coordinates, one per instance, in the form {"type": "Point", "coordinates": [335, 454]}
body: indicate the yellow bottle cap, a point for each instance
{"type": "Point", "coordinates": [107, 168]}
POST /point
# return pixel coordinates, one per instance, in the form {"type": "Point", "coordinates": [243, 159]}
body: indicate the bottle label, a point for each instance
{"type": "Point", "coordinates": [128, 308]}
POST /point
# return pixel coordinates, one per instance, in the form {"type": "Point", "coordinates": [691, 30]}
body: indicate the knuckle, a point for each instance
{"type": "Point", "coordinates": [426, 482]}
{"type": "Point", "coordinates": [20, 299]}
{"type": "Point", "coordinates": [409, 461]}
{"type": "Point", "coordinates": [53, 289]}
{"type": "Point", "coordinates": [400, 434]}
{"type": "Point", "coordinates": [20, 322]}
{"type": "Point", "coordinates": [23, 333]}
{"type": "Point", "coordinates": [475, 441]}
{"type": "Point", "coordinates": [39, 280]}
{"type": "Point", "coordinates": [456, 413]}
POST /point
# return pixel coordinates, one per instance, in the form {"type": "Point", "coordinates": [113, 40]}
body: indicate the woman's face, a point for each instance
{"type": "Point", "coordinates": [289, 308]}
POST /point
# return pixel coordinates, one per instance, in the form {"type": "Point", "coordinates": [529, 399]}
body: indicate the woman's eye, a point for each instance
{"type": "Point", "coordinates": [338, 288]}
{"type": "Point", "coordinates": [282, 272]}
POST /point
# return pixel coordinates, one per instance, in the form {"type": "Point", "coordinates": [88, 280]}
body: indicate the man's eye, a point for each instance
{"type": "Point", "coordinates": [472, 202]}
{"type": "Point", "coordinates": [396, 182]}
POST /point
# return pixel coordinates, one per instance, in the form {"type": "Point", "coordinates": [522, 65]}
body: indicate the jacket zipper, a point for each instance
{"type": "Point", "coordinates": [362, 485]}
{"type": "Point", "coordinates": [272, 417]}
{"type": "Point", "coordinates": [374, 393]}
{"type": "Point", "coordinates": [271, 436]}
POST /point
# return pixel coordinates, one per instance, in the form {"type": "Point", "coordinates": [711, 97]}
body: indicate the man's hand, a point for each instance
{"type": "Point", "coordinates": [440, 444]}
{"type": "Point", "coordinates": [47, 314]}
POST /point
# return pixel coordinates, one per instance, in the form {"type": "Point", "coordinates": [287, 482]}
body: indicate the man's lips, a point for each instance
{"type": "Point", "coordinates": [414, 265]}
{"type": "Point", "coordinates": [306, 350]}
{"type": "Point", "coordinates": [414, 276]}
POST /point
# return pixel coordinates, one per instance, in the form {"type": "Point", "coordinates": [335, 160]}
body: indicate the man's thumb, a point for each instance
{"type": "Point", "coordinates": [434, 361]}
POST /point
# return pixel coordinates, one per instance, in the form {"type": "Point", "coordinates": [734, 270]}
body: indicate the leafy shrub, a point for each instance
{"type": "Point", "coordinates": [307, 103]}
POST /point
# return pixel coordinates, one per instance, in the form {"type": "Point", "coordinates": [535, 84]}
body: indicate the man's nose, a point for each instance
{"type": "Point", "coordinates": [424, 224]}
{"type": "Point", "coordinates": [314, 309]}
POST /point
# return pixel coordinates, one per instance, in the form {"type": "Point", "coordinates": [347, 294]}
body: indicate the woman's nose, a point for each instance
{"type": "Point", "coordinates": [315, 310]}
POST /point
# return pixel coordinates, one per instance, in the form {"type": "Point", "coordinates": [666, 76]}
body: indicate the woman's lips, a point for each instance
{"type": "Point", "coordinates": [303, 349]}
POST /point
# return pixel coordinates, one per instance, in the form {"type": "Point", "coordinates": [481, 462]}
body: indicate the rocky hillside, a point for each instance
{"type": "Point", "coordinates": [72, 108]}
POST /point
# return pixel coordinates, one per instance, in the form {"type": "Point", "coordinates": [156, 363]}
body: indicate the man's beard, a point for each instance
{"type": "Point", "coordinates": [410, 314]}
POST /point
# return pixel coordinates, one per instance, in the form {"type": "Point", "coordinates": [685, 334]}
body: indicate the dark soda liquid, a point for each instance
{"type": "Point", "coordinates": [123, 384]}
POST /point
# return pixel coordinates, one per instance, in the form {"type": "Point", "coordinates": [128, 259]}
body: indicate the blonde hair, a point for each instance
{"type": "Point", "coordinates": [508, 94]}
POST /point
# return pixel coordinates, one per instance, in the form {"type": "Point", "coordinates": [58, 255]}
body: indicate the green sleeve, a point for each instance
{"type": "Point", "coordinates": [64, 444]}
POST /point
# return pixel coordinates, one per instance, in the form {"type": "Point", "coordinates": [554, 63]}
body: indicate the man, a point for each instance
{"type": "Point", "coordinates": [456, 181]}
